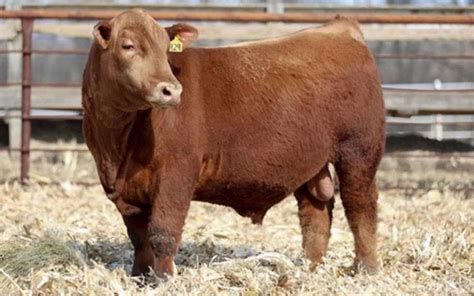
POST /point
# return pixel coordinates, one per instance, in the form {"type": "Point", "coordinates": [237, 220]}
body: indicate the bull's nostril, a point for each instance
{"type": "Point", "coordinates": [166, 92]}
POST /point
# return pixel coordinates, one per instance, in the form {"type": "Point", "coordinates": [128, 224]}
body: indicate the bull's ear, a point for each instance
{"type": "Point", "coordinates": [186, 33]}
{"type": "Point", "coordinates": [102, 33]}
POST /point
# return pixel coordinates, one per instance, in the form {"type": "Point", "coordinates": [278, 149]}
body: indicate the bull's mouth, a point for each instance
{"type": "Point", "coordinates": [158, 103]}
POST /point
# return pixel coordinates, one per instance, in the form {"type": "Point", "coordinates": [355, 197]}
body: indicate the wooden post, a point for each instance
{"type": "Point", "coordinates": [437, 128]}
{"type": "Point", "coordinates": [472, 136]}
{"type": "Point", "coordinates": [275, 6]}
{"type": "Point", "coordinates": [13, 76]}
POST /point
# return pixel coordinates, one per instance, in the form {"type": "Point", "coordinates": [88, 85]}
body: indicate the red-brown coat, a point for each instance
{"type": "Point", "coordinates": [254, 123]}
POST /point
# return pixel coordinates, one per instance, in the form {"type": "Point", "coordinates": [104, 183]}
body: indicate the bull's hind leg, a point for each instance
{"type": "Point", "coordinates": [359, 198]}
{"type": "Point", "coordinates": [315, 221]}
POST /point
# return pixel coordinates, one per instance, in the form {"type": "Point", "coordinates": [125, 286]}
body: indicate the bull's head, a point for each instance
{"type": "Point", "coordinates": [133, 51]}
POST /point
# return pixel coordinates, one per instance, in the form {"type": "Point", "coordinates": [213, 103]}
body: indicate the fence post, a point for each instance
{"type": "Point", "coordinates": [275, 6]}
{"type": "Point", "coordinates": [27, 33]}
{"type": "Point", "coordinates": [438, 127]}
{"type": "Point", "coordinates": [13, 76]}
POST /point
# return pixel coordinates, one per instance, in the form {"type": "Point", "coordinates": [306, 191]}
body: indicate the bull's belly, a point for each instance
{"type": "Point", "coordinates": [251, 192]}
{"type": "Point", "coordinates": [252, 185]}
{"type": "Point", "coordinates": [248, 199]}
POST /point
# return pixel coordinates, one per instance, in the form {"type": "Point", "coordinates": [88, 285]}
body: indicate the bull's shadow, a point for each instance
{"type": "Point", "coordinates": [115, 254]}
{"type": "Point", "coordinates": [193, 254]}
{"type": "Point", "coordinates": [412, 142]}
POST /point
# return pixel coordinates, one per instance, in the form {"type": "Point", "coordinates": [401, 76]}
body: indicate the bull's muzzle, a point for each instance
{"type": "Point", "coordinates": [166, 94]}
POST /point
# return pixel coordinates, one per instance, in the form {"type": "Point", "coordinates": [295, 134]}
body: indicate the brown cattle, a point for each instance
{"type": "Point", "coordinates": [246, 126]}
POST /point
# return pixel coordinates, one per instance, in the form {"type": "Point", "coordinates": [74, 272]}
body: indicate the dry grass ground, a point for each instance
{"type": "Point", "coordinates": [69, 239]}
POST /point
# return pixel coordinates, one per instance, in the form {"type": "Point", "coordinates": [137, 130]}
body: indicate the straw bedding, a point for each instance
{"type": "Point", "coordinates": [69, 239]}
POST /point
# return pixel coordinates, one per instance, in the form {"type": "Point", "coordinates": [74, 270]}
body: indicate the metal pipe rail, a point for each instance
{"type": "Point", "coordinates": [377, 56]}
{"type": "Point", "coordinates": [387, 88]}
{"type": "Point", "coordinates": [287, 7]}
{"type": "Point", "coordinates": [243, 16]}
{"type": "Point", "coordinates": [262, 6]}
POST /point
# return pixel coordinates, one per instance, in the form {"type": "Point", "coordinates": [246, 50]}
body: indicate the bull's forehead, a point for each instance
{"type": "Point", "coordinates": [136, 21]}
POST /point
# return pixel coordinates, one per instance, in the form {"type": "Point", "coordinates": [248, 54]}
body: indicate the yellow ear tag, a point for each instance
{"type": "Point", "coordinates": [176, 45]}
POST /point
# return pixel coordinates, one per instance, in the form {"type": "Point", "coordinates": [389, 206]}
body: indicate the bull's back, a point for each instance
{"type": "Point", "coordinates": [312, 75]}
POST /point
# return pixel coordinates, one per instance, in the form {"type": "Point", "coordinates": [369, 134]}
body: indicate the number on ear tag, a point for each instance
{"type": "Point", "coordinates": [176, 45]}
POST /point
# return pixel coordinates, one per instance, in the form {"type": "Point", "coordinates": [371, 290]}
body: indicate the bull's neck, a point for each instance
{"type": "Point", "coordinates": [114, 126]}
{"type": "Point", "coordinates": [110, 129]}
{"type": "Point", "coordinates": [106, 128]}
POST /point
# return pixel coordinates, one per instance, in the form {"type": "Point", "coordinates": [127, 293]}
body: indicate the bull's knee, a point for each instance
{"type": "Point", "coordinates": [321, 185]}
{"type": "Point", "coordinates": [164, 246]}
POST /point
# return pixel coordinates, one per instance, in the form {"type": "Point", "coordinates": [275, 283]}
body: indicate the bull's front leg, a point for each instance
{"type": "Point", "coordinates": [137, 229]}
{"type": "Point", "coordinates": [169, 210]}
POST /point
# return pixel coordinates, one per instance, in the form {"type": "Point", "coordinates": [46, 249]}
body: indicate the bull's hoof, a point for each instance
{"type": "Point", "coordinates": [315, 264]}
{"type": "Point", "coordinates": [152, 277]}
{"type": "Point", "coordinates": [138, 271]}
{"type": "Point", "coordinates": [364, 267]}
{"type": "Point", "coordinates": [165, 269]}
{"type": "Point", "coordinates": [143, 278]}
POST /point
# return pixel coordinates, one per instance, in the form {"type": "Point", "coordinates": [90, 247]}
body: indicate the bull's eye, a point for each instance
{"type": "Point", "coordinates": [128, 46]}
